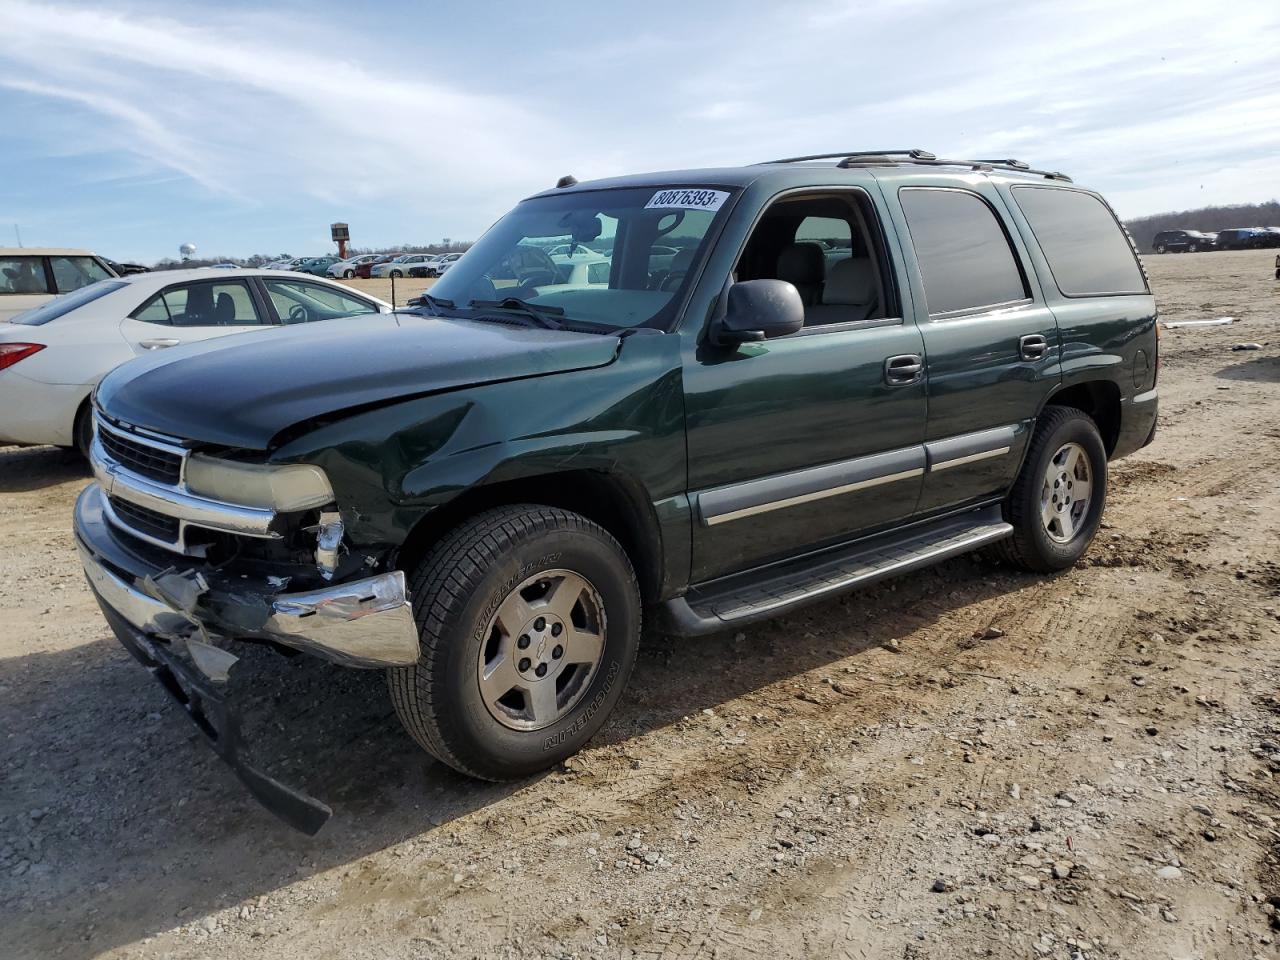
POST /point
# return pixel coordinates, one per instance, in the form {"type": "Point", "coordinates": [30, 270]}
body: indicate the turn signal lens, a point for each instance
{"type": "Point", "coordinates": [11, 353]}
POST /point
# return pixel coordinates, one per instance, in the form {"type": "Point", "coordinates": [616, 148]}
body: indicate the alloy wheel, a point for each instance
{"type": "Point", "coordinates": [1067, 492]}
{"type": "Point", "coordinates": [543, 646]}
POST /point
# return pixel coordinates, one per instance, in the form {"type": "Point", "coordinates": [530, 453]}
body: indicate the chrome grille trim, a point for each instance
{"type": "Point", "coordinates": [173, 500]}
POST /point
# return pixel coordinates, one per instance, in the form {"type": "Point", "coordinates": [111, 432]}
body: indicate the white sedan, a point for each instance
{"type": "Point", "coordinates": [399, 267]}
{"type": "Point", "coordinates": [347, 268]}
{"type": "Point", "coordinates": [52, 357]}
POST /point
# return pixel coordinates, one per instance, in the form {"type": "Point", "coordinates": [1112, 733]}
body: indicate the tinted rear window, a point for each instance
{"type": "Point", "coordinates": [964, 255]}
{"type": "Point", "coordinates": [67, 302]}
{"type": "Point", "coordinates": [1087, 250]}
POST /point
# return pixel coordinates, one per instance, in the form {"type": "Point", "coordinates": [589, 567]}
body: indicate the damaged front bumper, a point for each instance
{"type": "Point", "coordinates": [170, 617]}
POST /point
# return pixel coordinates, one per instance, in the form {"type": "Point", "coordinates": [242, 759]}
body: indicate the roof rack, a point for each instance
{"type": "Point", "coordinates": [878, 158]}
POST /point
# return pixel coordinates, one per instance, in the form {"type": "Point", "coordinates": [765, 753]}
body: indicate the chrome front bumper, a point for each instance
{"type": "Point", "coordinates": [360, 623]}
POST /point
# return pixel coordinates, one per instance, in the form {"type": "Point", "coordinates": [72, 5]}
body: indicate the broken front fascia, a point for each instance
{"type": "Point", "coordinates": [359, 623]}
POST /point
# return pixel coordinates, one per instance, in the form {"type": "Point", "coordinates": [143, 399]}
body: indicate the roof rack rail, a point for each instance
{"type": "Point", "coordinates": [915, 154]}
{"type": "Point", "coordinates": [869, 158]}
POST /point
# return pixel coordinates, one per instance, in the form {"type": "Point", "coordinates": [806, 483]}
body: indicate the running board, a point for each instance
{"type": "Point", "coordinates": [774, 590]}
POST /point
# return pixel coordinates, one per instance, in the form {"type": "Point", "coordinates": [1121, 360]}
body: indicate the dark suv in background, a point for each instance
{"type": "Point", "coordinates": [1243, 238]}
{"type": "Point", "coordinates": [1183, 241]}
{"type": "Point", "coordinates": [854, 365]}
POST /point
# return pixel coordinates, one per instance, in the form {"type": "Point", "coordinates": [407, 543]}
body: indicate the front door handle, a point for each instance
{"type": "Point", "coordinates": [903, 369]}
{"type": "Point", "coordinates": [159, 343]}
{"type": "Point", "coordinates": [1032, 347]}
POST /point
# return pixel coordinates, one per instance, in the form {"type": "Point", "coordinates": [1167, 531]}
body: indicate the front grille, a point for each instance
{"type": "Point", "coordinates": [141, 458]}
{"type": "Point", "coordinates": [145, 521]}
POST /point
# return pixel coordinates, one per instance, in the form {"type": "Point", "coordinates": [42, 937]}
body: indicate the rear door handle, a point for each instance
{"type": "Point", "coordinates": [1032, 347]}
{"type": "Point", "coordinates": [159, 343]}
{"type": "Point", "coordinates": [903, 369]}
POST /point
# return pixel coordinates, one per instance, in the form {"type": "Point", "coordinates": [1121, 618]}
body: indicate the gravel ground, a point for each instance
{"type": "Point", "coordinates": [963, 762]}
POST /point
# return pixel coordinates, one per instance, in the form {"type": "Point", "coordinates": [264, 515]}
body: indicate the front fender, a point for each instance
{"type": "Point", "coordinates": [392, 466]}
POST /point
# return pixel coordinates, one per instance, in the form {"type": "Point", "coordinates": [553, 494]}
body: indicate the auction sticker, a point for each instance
{"type": "Point", "coordinates": [687, 199]}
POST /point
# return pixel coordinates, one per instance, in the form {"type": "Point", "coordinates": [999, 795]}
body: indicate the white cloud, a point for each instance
{"type": "Point", "coordinates": [1157, 109]}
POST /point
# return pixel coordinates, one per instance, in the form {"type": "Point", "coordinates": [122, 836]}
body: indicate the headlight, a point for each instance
{"type": "Point", "coordinates": [285, 488]}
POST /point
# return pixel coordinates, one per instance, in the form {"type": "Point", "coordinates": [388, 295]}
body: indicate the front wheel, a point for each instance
{"type": "Point", "coordinates": [348, 274]}
{"type": "Point", "coordinates": [529, 621]}
{"type": "Point", "coordinates": [1161, 248]}
{"type": "Point", "coordinates": [1193, 249]}
{"type": "Point", "coordinates": [1056, 502]}
{"type": "Point", "coordinates": [397, 274]}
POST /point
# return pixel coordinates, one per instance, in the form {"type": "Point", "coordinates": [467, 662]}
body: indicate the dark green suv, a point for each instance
{"type": "Point", "coordinates": [693, 399]}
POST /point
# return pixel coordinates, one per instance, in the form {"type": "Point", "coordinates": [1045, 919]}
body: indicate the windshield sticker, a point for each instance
{"type": "Point", "coordinates": [687, 199]}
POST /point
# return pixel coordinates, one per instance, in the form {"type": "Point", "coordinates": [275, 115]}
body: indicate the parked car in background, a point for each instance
{"type": "Point", "coordinates": [365, 270]}
{"type": "Point", "coordinates": [346, 269]}
{"type": "Point", "coordinates": [400, 266]}
{"type": "Point", "coordinates": [488, 498]}
{"type": "Point", "coordinates": [1183, 241]}
{"type": "Point", "coordinates": [292, 263]}
{"type": "Point", "coordinates": [424, 269]}
{"type": "Point", "coordinates": [568, 250]}
{"type": "Point", "coordinates": [30, 276]}
{"type": "Point", "coordinates": [52, 357]}
{"type": "Point", "coordinates": [317, 266]}
{"type": "Point", "coordinates": [224, 266]}
{"type": "Point", "coordinates": [1272, 236]}
{"type": "Point", "coordinates": [126, 269]}
{"type": "Point", "coordinates": [1243, 238]}
{"type": "Point", "coordinates": [443, 263]}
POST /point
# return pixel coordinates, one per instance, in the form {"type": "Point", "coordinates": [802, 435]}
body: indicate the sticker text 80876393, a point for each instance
{"type": "Point", "coordinates": [688, 198]}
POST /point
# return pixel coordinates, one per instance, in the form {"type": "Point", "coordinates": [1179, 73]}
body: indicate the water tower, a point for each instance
{"type": "Point", "coordinates": [187, 250]}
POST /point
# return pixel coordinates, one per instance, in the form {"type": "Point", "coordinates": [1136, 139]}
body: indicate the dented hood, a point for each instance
{"type": "Point", "coordinates": [240, 391]}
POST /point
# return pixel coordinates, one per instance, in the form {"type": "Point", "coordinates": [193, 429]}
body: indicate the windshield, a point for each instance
{"type": "Point", "coordinates": [618, 257]}
{"type": "Point", "coordinates": [65, 304]}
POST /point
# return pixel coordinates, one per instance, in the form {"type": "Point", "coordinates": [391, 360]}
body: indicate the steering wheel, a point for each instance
{"type": "Point", "coordinates": [537, 277]}
{"type": "Point", "coordinates": [299, 314]}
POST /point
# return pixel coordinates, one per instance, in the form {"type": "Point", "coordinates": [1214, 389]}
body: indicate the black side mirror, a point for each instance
{"type": "Point", "coordinates": [759, 310]}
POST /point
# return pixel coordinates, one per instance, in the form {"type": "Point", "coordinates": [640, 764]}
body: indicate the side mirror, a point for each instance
{"type": "Point", "coordinates": [759, 310]}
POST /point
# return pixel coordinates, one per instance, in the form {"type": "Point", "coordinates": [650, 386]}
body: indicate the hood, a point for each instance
{"type": "Point", "coordinates": [240, 391]}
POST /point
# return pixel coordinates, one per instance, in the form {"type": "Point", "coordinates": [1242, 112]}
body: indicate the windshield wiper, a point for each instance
{"type": "Point", "coordinates": [539, 313]}
{"type": "Point", "coordinates": [439, 303]}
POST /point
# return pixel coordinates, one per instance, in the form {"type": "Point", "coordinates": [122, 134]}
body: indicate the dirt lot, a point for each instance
{"type": "Point", "coordinates": [965, 762]}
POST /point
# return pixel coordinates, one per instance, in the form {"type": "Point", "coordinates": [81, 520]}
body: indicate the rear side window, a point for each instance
{"type": "Point", "coordinates": [965, 258]}
{"type": "Point", "coordinates": [204, 304]}
{"type": "Point", "coordinates": [23, 275]}
{"type": "Point", "coordinates": [1087, 251]}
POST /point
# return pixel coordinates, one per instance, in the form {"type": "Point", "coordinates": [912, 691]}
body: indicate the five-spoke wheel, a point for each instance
{"type": "Point", "coordinates": [528, 621]}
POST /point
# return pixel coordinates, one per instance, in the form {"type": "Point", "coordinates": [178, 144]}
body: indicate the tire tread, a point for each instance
{"type": "Point", "coordinates": [440, 585]}
{"type": "Point", "coordinates": [1018, 550]}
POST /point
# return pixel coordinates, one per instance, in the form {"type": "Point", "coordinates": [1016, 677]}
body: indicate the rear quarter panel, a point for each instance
{"type": "Point", "coordinates": [1108, 338]}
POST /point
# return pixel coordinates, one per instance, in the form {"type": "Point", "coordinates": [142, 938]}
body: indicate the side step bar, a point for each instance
{"type": "Point", "coordinates": [779, 588]}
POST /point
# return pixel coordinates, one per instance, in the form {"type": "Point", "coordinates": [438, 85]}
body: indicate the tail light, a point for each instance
{"type": "Point", "coordinates": [11, 353]}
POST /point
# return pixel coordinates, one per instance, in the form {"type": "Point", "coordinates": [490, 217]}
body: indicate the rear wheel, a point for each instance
{"type": "Point", "coordinates": [1161, 248]}
{"type": "Point", "coordinates": [529, 620]}
{"type": "Point", "coordinates": [1057, 501]}
{"type": "Point", "coordinates": [82, 430]}
{"type": "Point", "coordinates": [396, 273]}
{"type": "Point", "coordinates": [1194, 248]}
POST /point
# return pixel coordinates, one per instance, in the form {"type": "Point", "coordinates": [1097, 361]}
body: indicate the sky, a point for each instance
{"type": "Point", "coordinates": [247, 127]}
